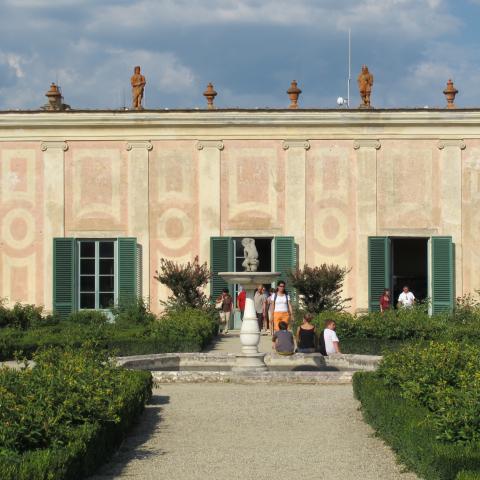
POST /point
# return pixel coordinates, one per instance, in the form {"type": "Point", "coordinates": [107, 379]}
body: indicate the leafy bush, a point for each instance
{"type": "Point", "coordinates": [25, 316]}
{"type": "Point", "coordinates": [320, 288]}
{"type": "Point", "coordinates": [184, 330]}
{"type": "Point", "coordinates": [64, 416]}
{"type": "Point", "coordinates": [444, 378]}
{"type": "Point", "coordinates": [88, 317]}
{"type": "Point", "coordinates": [409, 429]}
{"type": "Point", "coordinates": [186, 281]}
{"type": "Point", "coordinates": [133, 313]}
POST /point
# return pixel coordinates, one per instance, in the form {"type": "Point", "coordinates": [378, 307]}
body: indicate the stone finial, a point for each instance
{"type": "Point", "coordinates": [450, 93]}
{"type": "Point", "coordinates": [55, 100]}
{"type": "Point", "coordinates": [365, 84]}
{"type": "Point", "coordinates": [210, 95]}
{"type": "Point", "coordinates": [293, 93]}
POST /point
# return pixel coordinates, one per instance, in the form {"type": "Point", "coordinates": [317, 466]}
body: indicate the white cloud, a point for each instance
{"type": "Point", "coordinates": [424, 18]}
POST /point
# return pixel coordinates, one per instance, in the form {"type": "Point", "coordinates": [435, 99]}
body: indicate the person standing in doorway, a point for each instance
{"type": "Point", "coordinates": [241, 299]}
{"type": "Point", "coordinates": [225, 310]}
{"type": "Point", "coordinates": [268, 311]}
{"type": "Point", "coordinates": [281, 306]}
{"type": "Point", "coordinates": [258, 301]}
{"type": "Point", "coordinates": [385, 300]}
{"type": "Point", "coordinates": [406, 299]}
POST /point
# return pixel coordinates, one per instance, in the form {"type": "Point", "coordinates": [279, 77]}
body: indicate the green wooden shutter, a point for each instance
{"type": "Point", "coordinates": [127, 269]}
{"type": "Point", "coordinates": [379, 274]}
{"type": "Point", "coordinates": [285, 256]}
{"type": "Point", "coordinates": [64, 276]}
{"type": "Point", "coordinates": [221, 260]}
{"type": "Point", "coordinates": [442, 274]}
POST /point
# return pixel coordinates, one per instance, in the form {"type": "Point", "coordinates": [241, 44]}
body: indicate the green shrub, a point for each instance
{"type": "Point", "coordinates": [133, 313]}
{"type": "Point", "coordinates": [88, 317]}
{"type": "Point", "coordinates": [63, 417]}
{"type": "Point", "coordinates": [409, 429]}
{"type": "Point", "coordinates": [184, 330]}
{"type": "Point", "coordinates": [464, 475]}
{"type": "Point", "coordinates": [23, 316]}
{"type": "Point", "coordinates": [320, 288]}
{"type": "Point", "coordinates": [443, 377]}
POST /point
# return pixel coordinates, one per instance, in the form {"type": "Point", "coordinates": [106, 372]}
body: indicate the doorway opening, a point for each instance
{"type": "Point", "coordinates": [410, 266]}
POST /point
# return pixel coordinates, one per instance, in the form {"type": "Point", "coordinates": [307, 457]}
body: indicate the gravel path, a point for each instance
{"type": "Point", "coordinates": [200, 431]}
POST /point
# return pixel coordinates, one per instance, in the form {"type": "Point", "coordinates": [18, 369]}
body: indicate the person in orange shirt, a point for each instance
{"type": "Point", "coordinates": [281, 306]}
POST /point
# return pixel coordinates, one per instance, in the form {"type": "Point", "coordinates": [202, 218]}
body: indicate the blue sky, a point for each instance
{"type": "Point", "coordinates": [250, 49]}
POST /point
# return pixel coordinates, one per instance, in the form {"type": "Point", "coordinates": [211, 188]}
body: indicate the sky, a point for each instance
{"type": "Point", "coordinates": [249, 49]}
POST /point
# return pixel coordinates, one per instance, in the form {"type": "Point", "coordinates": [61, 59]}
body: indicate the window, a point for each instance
{"type": "Point", "coordinates": [97, 274]}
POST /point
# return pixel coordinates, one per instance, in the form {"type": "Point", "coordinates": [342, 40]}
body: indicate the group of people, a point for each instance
{"type": "Point", "coordinates": [275, 315]}
{"type": "Point", "coordinates": [306, 339]}
{"type": "Point", "coordinates": [406, 299]}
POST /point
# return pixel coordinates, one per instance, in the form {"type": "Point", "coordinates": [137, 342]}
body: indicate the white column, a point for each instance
{"type": "Point", "coordinates": [209, 194]}
{"type": "Point", "coordinates": [366, 213]}
{"type": "Point", "coordinates": [451, 200]}
{"type": "Point", "coordinates": [138, 205]}
{"type": "Point", "coordinates": [54, 209]}
{"type": "Point", "coordinates": [295, 193]}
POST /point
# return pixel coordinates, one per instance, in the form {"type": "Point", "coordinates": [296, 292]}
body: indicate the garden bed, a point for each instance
{"type": "Point", "coordinates": [423, 401]}
{"type": "Point", "coordinates": [65, 416]}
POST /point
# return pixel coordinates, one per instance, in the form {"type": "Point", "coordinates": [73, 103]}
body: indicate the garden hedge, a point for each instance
{"type": "Point", "coordinates": [65, 416]}
{"type": "Point", "coordinates": [410, 431]}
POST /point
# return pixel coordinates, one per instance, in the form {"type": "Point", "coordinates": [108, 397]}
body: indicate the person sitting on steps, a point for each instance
{"type": "Point", "coordinates": [282, 340]}
{"type": "Point", "coordinates": [306, 335]}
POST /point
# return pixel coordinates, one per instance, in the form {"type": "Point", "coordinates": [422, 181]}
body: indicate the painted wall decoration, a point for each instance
{"type": "Point", "coordinates": [21, 220]}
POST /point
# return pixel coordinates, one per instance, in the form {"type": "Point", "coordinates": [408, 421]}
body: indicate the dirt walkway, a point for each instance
{"type": "Point", "coordinates": [225, 432]}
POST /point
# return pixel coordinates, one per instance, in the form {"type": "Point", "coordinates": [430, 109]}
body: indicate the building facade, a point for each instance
{"type": "Point", "coordinates": [91, 201]}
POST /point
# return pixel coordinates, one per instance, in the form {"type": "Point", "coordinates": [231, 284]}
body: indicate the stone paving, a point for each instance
{"type": "Point", "coordinates": [224, 432]}
{"type": "Point", "coordinates": [252, 431]}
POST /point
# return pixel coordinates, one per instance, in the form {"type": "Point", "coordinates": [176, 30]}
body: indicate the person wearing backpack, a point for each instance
{"type": "Point", "coordinates": [281, 306]}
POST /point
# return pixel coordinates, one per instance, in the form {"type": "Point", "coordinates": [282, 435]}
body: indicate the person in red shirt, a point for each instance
{"type": "Point", "coordinates": [241, 298]}
{"type": "Point", "coordinates": [385, 302]}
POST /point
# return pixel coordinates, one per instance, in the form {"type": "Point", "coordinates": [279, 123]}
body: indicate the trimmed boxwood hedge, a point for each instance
{"type": "Point", "coordinates": [134, 332]}
{"type": "Point", "coordinates": [66, 415]}
{"type": "Point", "coordinates": [409, 429]}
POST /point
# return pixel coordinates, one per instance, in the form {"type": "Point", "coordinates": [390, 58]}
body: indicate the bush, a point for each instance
{"type": "Point", "coordinates": [444, 378]}
{"type": "Point", "coordinates": [25, 316]}
{"type": "Point", "coordinates": [184, 330]}
{"type": "Point", "coordinates": [320, 288]}
{"type": "Point", "coordinates": [186, 281]}
{"type": "Point", "coordinates": [411, 432]}
{"type": "Point", "coordinates": [63, 417]}
{"type": "Point", "coordinates": [133, 313]}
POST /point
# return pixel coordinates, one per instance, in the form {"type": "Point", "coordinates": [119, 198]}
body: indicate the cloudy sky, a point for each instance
{"type": "Point", "coordinates": [249, 49]}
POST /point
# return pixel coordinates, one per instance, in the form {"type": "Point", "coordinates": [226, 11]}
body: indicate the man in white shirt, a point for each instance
{"type": "Point", "coordinates": [406, 298]}
{"type": "Point", "coordinates": [332, 343]}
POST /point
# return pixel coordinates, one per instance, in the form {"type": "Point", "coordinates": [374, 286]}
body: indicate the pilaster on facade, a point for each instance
{"type": "Point", "coordinates": [451, 143]}
{"type": "Point", "coordinates": [295, 192]}
{"type": "Point", "coordinates": [53, 207]}
{"type": "Point", "coordinates": [138, 146]}
{"type": "Point", "coordinates": [366, 210]}
{"type": "Point", "coordinates": [53, 145]}
{"type": "Point", "coordinates": [138, 205]}
{"type": "Point", "coordinates": [208, 144]}
{"type": "Point", "coordinates": [366, 144]}
{"type": "Point", "coordinates": [209, 195]}
{"type": "Point", "coordinates": [450, 165]}
{"type": "Point", "coordinates": [288, 144]}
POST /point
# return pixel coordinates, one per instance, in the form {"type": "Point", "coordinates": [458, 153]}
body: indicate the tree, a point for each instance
{"type": "Point", "coordinates": [186, 281]}
{"type": "Point", "coordinates": [320, 288]}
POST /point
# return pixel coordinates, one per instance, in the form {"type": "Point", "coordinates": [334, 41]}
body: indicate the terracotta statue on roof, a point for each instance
{"type": "Point", "coordinates": [138, 85]}
{"type": "Point", "coordinates": [365, 82]}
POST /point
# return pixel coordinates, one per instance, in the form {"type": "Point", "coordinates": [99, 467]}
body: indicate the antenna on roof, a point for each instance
{"type": "Point", "coordinates": [340, 100]}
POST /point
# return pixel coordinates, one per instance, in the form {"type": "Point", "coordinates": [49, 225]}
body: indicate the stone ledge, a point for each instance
{"type": "Point", "coordinates": [305, 378]}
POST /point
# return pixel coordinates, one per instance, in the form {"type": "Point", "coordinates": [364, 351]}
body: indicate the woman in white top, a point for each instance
{"type": "Point", "coordinates": [281, 307]}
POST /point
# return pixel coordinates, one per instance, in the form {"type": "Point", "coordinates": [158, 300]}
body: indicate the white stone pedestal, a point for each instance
{"type": "Point", "coordinates": [250, 359]}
